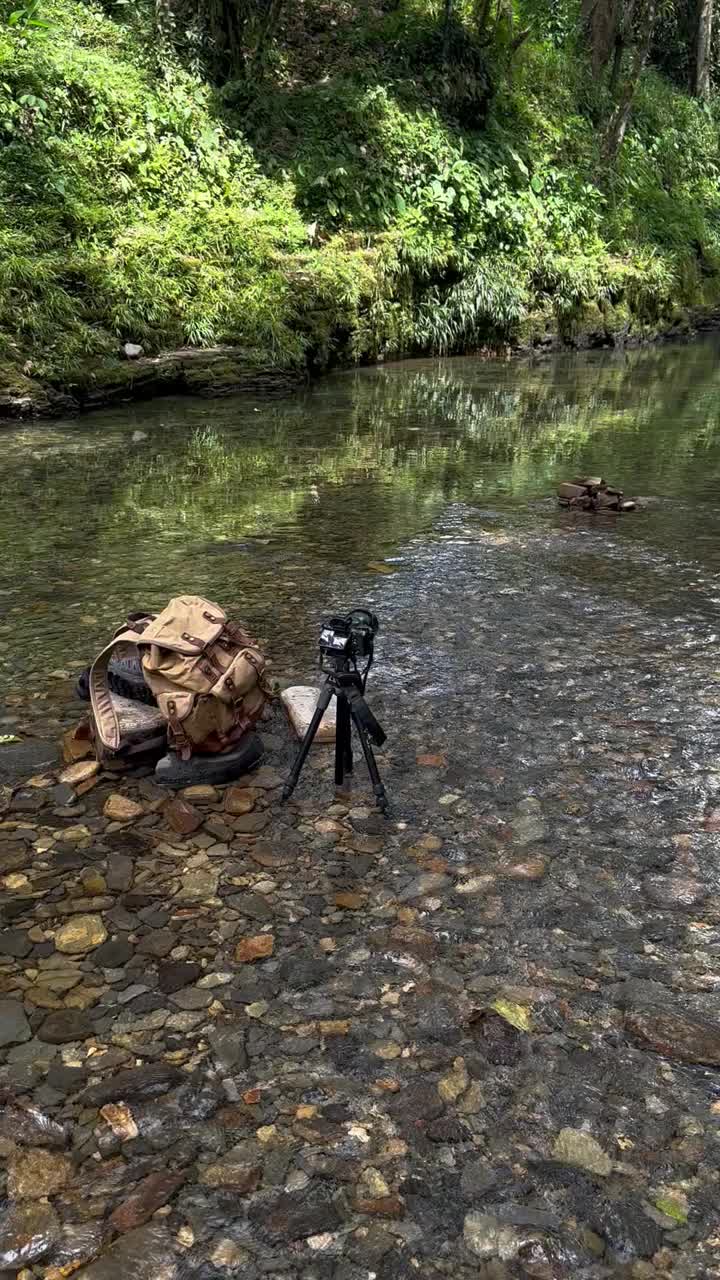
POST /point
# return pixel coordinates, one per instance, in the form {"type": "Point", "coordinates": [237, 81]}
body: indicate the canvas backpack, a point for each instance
{"type": "Point", "coordinates": [207, 675]}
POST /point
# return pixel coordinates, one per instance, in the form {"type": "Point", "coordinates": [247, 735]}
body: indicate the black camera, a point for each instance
{"type": "Point", "coordinates": [349, 636]}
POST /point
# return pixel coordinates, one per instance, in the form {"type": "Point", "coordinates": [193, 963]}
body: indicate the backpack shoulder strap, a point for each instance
{"type": "Point", "coordinates": [107, 726]}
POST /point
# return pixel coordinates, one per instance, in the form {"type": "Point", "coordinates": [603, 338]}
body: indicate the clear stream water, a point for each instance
{"type": "Point", "coordinates": [284, 510]}
{"type": "Point", "coordinates": [550, 683]}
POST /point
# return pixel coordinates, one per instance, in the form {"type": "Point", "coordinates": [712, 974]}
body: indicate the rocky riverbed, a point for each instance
{"type": "Point", "coordinates": [478, 1039]}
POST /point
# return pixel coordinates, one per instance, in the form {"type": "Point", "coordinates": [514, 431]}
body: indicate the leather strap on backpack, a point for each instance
{"type": "Point", "coordinates": [107, 727]}
{"type": "Point", "coordinates": [181, 742]}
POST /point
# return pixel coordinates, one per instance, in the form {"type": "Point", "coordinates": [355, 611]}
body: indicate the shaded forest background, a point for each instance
{"type": "Point", "coordinates": [315, 180]}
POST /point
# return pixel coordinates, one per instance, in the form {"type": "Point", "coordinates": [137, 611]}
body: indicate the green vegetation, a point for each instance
{"type": "Point", "coordinates": [320, 182]}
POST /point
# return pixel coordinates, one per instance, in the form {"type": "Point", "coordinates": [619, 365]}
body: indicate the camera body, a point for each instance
{"type": "Point", "coordinates": [348, 637]}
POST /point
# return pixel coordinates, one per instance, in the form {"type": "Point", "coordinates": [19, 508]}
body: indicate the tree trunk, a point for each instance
{"type": "Point", "coordinates": [618, 122]}
{"type": "Point", "coordinates": [703, 38]}
{"type": "Point", "coordinates": [449, 5]}
{"type": "Point", "coordinates": [600, 23]}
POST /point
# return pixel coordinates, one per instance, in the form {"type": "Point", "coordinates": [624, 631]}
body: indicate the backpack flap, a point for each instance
{"type": "Point", "coordinates": [187, 625]}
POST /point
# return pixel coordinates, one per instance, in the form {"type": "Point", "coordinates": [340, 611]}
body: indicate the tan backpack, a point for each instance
{"type": "Point", "coordinates": [205, 672]}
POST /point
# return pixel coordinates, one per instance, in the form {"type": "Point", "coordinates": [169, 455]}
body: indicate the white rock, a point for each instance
{"type": "Point", "coordinates": [132, 350]}
{"type": "Point", "coordinates": [300, 702]}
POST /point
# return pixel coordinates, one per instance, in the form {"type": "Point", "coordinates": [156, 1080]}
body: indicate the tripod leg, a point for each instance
{"type": "Point", "coordinates": [343, 750]}
{"type": "Point", "coordinates": [380, 794]}
{"type": "Point", "coordinates": [323, 703]}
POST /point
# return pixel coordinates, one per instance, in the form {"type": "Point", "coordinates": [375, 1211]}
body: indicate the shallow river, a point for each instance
{"type": "Point", "coordinates": [550, 683]}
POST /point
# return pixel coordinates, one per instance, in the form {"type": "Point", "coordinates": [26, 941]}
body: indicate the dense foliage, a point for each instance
{"type": "Point", "coordinates": [342, 181]}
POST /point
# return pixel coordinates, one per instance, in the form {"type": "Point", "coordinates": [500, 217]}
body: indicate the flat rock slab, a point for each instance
{"type": "Point", "coordinates": [14, 1027]}
{"type": "Point", "coordinates": [677, 1035]}
{"type": "Point", "coordinates": [19, 759]}
{"type": "Point", "coordinates": [300, 702]}
{"type": "Point", "coordinates": [143, 1254]}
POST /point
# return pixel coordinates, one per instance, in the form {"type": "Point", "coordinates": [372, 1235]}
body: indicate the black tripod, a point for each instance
{"type": "Point", "coordinates": [345, 683]}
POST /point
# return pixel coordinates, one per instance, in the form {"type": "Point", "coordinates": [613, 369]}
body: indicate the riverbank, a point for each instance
{"type": "Point", "coordinates": [223, 371]}
{"type": "Point", "coordinates": [356, 203]}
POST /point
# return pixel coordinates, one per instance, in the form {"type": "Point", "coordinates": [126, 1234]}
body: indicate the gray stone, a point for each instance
{"type": "Point", "coordinates": [574, 1146]}
{"type": "Point", "coordinates": [487, 1237]}
{"type": "Point", "coordinates": [177, 974]}
{"type": "Point", "coordinates": [145, 1254]}
{"type": "Point", "coordinates": [27, 1233]}
{"type": "Point", "coordinates": [198, 886]}
{"type": "Point", "coordinates": [132, 350]}
{"type": "Point", "coordinates": [674, 891]}
{"type": "Point", "coordinates": [528, 824]}
{"type": "Point", "coordinates": [21, 759]}
{"type": "Point", "coordinates": [228, 1044]}
{"type": "Point", "coordinates": [14, 1027]}
{"type": "Point", "coordinates": [65, 1026]}
{"type": "Point", "coordinates": [113, 954]}
{"type": "Point", "coordinates": [15, 942]}
{"type": "Point", "coordinates": [191, 998]}
{"type": "Point", "coordinates": [159, 942]}
{"type": "Point", "coordinates": [120, 871]}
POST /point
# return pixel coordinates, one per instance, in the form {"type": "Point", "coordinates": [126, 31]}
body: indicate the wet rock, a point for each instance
{"type": "Point", "coordinates": [447, 1129]}
{"type": "Point", "coordinates": [625, 1226]}
{"type": "Point", "coordinates": [31, 800]}
{"type": "Point", "coordinates": [381, 1206]}
{"type": "Point", "coordinates": [27, 1233]}
{"type": "Point", "coordinates": [149, 1196]}
{"type": "Point", "coordinates": [65, 1080]}
{"type": "Point", "coordinates": [113, 954]}
{"type": "Point", "coordinates": [239, 800]}
{"type": "Point", "coordinates": [65, 1026]}
{"type": "Point", "coordinates": [34, 1174]}
{"type": "Point", "coordinates": [455, 1083]}
{"type": "Point", "coordinates": [251, 823]}
{"type": "Point", "coordinates": [181, 816]}
{"type": "Point", "coordinates": [143, 1254]}
{"type": "Point", "coordinates": [257, 948]}
{"type": "Point", "coordinates": [677, 1035]}
{"type": "Point", "coordinates": [21, 759]}
{"type": "Point", "coordinates": [120, 1119]}
{"type": "Point", "coordinates": [30, 1126]}
{"type": "Point", "coordinates": [488, 1237]}
{"type": "Point", "coordinates": [528, 824]}
{"type": "Point", "coordinates": [80, 934]}
{"type": "Point", "coordinates": [120, 808]}
{"type": "Point", "coordinates": [476, 885]}
{"type": "Point", "coordinates": [14, 1026]}
{"type": "Point", "coordinates": [198, 886]}
{"type": "Point", "coordinates": [159, 943]}
{"type": "Point", "coordinates": [574, 1146]}
{"type": "Point", "coordinates": [252, 905]}
{"type": "Point", "coordinates": [79, 1242]}
{"type": "Point", "coordinates": [242, 1178]}
{"type": "Point", "coordinates": [228, 1045]}
{"type": "Point", "coordinates": [674, 891]}
{"type": "Point", "coordinates": [80, 772]}
{"type": "Point", "coordinates": [151, 1081]}
{"type": "Point", "coordinates": [531, 869]}
{"type": "Point", "coordinates": [478, 1178]}
{"type": "Point", "coordinates": [295, 1218]}
{"type": "Point", "coordinates": [501, 1043]}
{"type": "Point", "coordinates": [15, 943]}
{"type": "Point", "coordinates": [201, 794]}
{"type": "Point", "coordinates": [176, 974]}
{"type": "Point", "coordinates": [120, 872]}
{"type": "Point", "coordinates": [264, 779]}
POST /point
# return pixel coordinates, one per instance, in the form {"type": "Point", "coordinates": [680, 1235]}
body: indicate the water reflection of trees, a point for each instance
{"type": "Point", "coordinates": [362, 461]}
